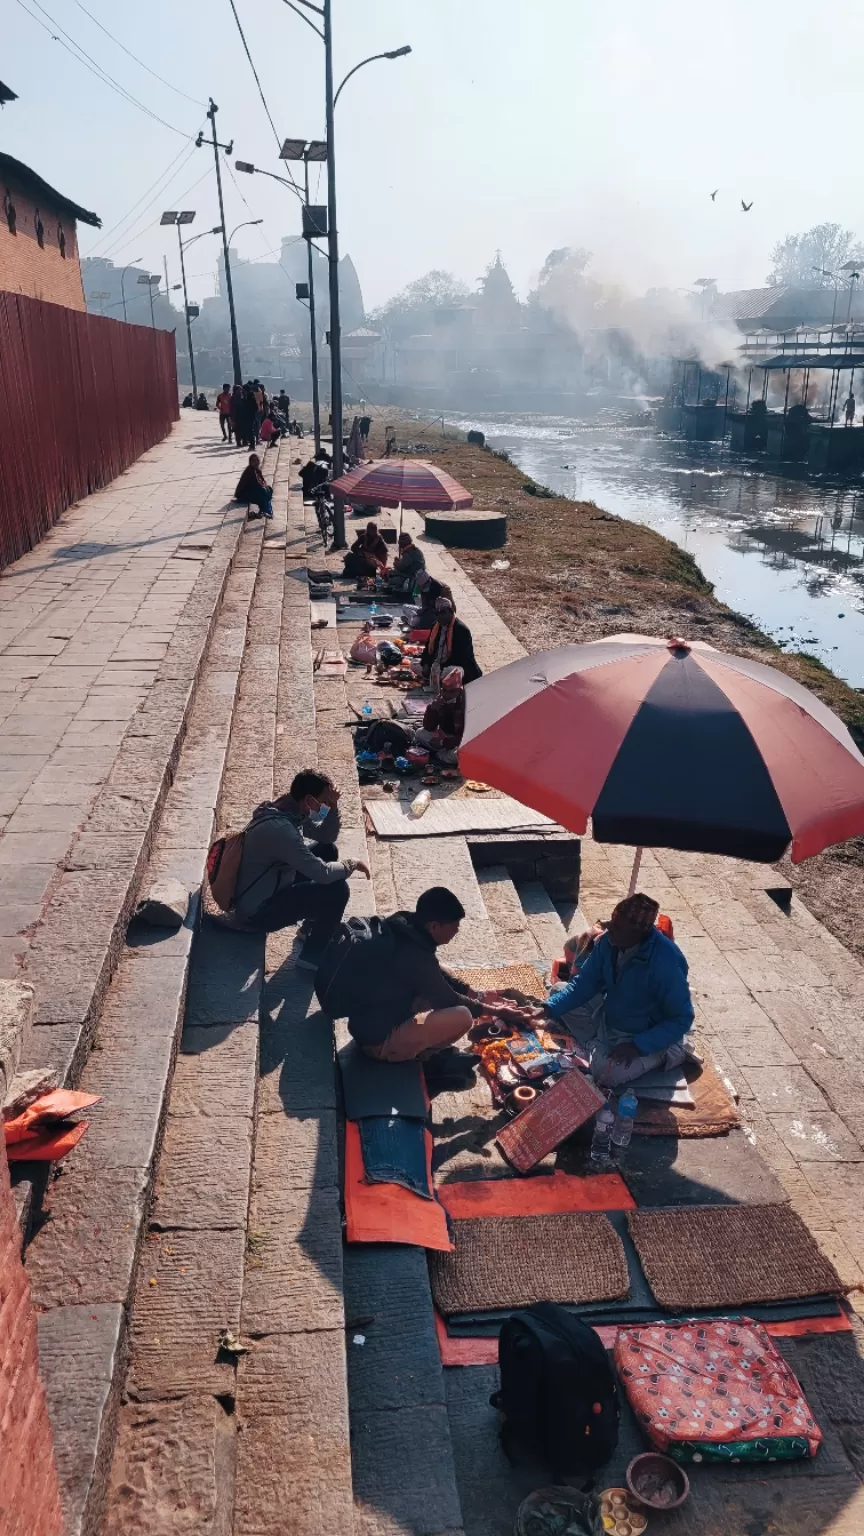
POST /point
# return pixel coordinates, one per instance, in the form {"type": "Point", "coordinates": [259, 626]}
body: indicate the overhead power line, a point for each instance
{"type": "Point", "coordinates": [160, 78]}
{"type": "Point", "coordinates": [260, 90]}
{"type": "Point", "coordinates": [107, 233]}
{"type": "Point", "coordinates": [83, 57]}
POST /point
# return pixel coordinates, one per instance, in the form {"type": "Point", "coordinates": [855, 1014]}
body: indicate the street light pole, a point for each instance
{"type": "Point", "coordinates": [254, 170]}
{"type": "Point", "coordinates": [313, 334]}
{"type": "Point", "coordinates": [333, 257]}
{"type": "Point", "coordinates": [235, 344]}
{"type": "Point", "coordinates": [122, 281]}
{"type": "Point", "coordinates": [186, 313]}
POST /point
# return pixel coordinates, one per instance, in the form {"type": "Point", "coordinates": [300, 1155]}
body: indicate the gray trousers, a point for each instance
{"type": "Point", "coordinates": [588, 1025]}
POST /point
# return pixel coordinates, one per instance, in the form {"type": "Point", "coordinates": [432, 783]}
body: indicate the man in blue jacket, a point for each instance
{"type": "Point", "coordinates": [630, 1002]}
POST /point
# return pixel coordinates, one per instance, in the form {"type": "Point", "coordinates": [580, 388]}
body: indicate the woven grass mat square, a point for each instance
{"type": "Point", "coordinates": [512, 1261]}
{"type": "Point", "coordinates": [494, 978]}
{"type": "Point", "coordinates": [712, 1113]}
{"type": "Point", "coordinates": [729, 1256]}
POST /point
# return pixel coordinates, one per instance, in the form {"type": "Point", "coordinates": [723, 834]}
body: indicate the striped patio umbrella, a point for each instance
{"type": "Point", "coordinates": [667, 744]}
{"type": "Point", "coordinates": [404, 483]}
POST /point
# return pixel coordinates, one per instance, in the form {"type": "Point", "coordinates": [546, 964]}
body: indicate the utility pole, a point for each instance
{"type": "Point", "coordinates": [313, 334]}
{"type": "Point", "coordinates": [235, 345]}
{"type": "Point", "coordinates": [333, 252]}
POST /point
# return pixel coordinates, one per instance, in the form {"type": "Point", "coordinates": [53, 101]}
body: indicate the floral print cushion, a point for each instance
{"type": "Point", "coordinates": [715, 1391]}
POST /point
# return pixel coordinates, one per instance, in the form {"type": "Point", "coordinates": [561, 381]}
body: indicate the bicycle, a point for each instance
{"type": "Point", "coordinates": [323, 503]}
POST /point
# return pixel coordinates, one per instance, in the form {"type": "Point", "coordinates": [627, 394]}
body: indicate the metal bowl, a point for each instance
{"type": "Point", "coordinates": [648, 1477]}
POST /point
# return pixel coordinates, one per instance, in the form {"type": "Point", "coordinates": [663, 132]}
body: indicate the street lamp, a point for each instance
{"type": "Point", "coordinates": [314, 222]}
{"type": "Point", "coordinates": [305, 153]}
{"type": "Point", "coordinates": [122, 281]}
{"type": "Point", "coordinates": [146, 278]}
{"type": "Point", "coordinates": [394, 53]}
{"type": "Point", "coordinates": [186, 217]}
{"type": "Point", "coordinates": [854, 270]}
{"type": "Point", "coordinates": [325, 32]}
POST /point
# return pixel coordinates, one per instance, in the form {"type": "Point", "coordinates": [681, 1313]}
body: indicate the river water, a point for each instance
{"type": "Point", "coordinates": [788, 553]}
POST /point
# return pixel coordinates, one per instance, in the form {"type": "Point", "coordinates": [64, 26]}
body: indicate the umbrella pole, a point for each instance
{"type": "Point", "coordinates": [400, 517]}
{"type": "Point", "coordinates": [634, 873]}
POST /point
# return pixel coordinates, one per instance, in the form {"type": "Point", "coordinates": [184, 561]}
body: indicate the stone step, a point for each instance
{"type": "Point", "coordinates": [543, 919]}
{"type": "Point", "coordinates": [79, 938]}
{"type": "Point", "coordinates": [507, 914]}
{"type": "Point", "coordinates": [82, 1260]}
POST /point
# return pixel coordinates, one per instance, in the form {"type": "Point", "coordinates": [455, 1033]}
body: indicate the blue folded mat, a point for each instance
{"type": "Point", "coordinates": [394, 1152]}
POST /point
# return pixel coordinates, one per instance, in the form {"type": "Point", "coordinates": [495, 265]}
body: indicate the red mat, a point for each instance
{"type": "Point", "coordinates": [540, 1196]}
{"type": "Point", "coordinates": [388, 1213]}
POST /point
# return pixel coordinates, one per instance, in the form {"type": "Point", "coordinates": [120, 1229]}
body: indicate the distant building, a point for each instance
{"type": "Point", "coordinates": [38, 239]}
{"type": "Point", "coordinates": [117, 293]}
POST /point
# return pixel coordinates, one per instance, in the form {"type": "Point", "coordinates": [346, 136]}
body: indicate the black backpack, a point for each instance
{"type": "Point", "coordinates": [559, 1395]}
{"type": "Point", "coordinates": [354, 955]}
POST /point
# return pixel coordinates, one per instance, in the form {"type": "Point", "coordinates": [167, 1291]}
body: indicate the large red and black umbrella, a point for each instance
{"type": "Point", "coordinates": [404, 483]}
{"type": "Point", "coordinates": [667, 744]}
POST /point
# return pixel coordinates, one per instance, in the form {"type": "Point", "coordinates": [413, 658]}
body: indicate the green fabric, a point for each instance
{"type": "Point", "coordinates": [784, 1448]}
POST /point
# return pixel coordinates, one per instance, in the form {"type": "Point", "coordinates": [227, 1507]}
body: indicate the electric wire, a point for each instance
{"type": "Point", "coordinates": [80, 54]}
{"type": "Point", "coordinates": [160, 78]}
{"type": "Point", "coordinates": [107, 233]}
{"type": "Point", "coordinates": [260, 87]}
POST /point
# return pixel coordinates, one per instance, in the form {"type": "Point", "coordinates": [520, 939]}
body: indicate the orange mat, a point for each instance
{"type": "Point", "coordinates": [540, 1196]}
{"type": "Point", "coordinates": [485, 1351]}
{"type": "Point", "coordinates": [45, 1143]}
{"type": "Point", "coordinates": [387, 1213]}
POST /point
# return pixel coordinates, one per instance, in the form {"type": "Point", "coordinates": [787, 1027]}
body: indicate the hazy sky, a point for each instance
{"type": "Point", "coordinates": [514, 126]}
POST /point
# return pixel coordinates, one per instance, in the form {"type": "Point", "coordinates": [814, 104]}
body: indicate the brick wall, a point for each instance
{"type": "Point", "coordinates": [29, 1494]}
{"type": "Point", "coordinates": [39, 271]}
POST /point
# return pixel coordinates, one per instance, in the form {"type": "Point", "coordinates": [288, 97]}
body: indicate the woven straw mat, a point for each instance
{"type": "Point", "coordinates": [494, 978]}
{"type": "Point", "coordinates": [729, 1256]}
{"type": "Point", "coordinates": [512, 1261]}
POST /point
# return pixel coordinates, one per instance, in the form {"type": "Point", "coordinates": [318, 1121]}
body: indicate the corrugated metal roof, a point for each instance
{"type": "Point", "coordinates": [746, 303]}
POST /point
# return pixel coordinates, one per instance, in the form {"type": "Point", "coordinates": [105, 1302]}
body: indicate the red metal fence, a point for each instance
{"type": "Point", "coordinates": [81, 398]}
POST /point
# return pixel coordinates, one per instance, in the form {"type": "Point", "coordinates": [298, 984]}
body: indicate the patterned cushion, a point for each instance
{"type": "Point", "coordinates": [715, 1391]}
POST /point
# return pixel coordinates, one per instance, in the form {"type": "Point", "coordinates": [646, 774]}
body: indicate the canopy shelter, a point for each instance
{"type": "Point", "coordinates": [404, 483]}
{"type": "Point", "coordinates": [667, 744]}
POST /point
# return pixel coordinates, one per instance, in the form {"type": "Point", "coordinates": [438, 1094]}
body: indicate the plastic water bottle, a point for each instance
{"type": "Point", "coordinates": [601, 1141]}
{"type": "Point", "coordinates": [374, 609]}
{"type": "Point", "coordinates": [622, 1130]}
{"type": "Point", "coordinates": [367, 711]}
{"type": "Point", "coordinates": [420, 802]}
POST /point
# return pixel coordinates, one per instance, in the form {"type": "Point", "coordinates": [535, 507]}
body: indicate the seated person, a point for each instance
{"type": "Point", "coordinates": [630, 1002]}
{"type": "Point", "coordinates": [367, 555]}
{"type": "Point", "coordinates": [408, 1008]}
{"type": "Point", "coordinates": [444, 719]}
{"type": "Point", "coordinates": [576, 951]}
{"type": "Point", "coordinates": [449, 645]}
{"type": "Point", "coordinates": [188, 400]}
{"type": "Point", "coordinates": [290, 867]}
{"type": "Point", "coordinates": [201, 404]}
{"type": "Point", "coordinates": [253, 488]}
{"type": "Point", "coordinates": [269, 432]}
{"type": "Point", "coordinates": [408, 562]}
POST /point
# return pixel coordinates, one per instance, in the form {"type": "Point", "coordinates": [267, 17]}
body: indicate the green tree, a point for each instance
{"type": "Point", "coordinates": [813, 258]}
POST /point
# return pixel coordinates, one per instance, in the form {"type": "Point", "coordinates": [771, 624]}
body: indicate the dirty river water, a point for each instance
{"type": "Point", "coordinates": [788, 553]}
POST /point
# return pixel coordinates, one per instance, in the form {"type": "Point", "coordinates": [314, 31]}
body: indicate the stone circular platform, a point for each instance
{"type": "Point", "coordinates": [476, 528]}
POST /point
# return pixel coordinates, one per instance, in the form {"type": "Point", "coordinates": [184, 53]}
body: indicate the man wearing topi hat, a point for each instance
{"type": "Point", "coordinates": [630, 1003]}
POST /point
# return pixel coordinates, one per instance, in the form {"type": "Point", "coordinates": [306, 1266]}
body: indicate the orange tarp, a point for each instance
{"type": "Point", "coordinates": [387, 1213]}
{"type": "Point", "coordinates": [540, 1196]}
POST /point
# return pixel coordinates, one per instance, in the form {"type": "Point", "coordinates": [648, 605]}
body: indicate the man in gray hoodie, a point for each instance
{"type": "Point", "coordinates": [291, 870]}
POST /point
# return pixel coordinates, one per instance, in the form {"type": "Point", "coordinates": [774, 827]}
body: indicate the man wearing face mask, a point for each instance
{"type": "Point", "coordinates": [291, 870]}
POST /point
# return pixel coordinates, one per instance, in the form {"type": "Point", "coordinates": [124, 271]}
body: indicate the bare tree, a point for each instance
{"type": "Point", "coordinates": [813, 258]}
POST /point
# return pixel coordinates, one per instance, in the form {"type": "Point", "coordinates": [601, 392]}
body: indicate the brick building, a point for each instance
{"type": "Point", "coordinates": [38, 240]}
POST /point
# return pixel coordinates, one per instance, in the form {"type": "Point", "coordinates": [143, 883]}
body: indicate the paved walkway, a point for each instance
{"type": "Point", "coordinates": [86, 619]}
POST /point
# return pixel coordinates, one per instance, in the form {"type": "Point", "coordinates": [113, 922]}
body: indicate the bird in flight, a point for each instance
{"type": "Point", "coordinates": [714, 193]}
{"type": "Point", "coordinates": [746, 206]}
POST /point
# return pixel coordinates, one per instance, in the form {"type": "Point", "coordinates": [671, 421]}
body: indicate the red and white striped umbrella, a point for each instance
{"type": "Point", "coordinates": [667, 744]}
{"type": "Point", "coordinates": [404, 483]}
